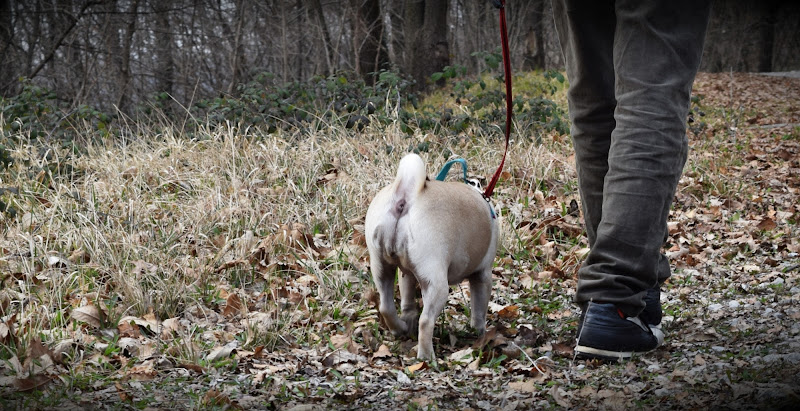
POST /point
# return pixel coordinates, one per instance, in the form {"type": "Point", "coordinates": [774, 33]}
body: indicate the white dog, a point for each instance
{"type": "Point", "coordinates": [437, 234]}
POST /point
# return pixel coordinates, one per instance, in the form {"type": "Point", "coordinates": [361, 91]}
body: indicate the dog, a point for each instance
{"type": "Point", "coordinates": [438, 234]}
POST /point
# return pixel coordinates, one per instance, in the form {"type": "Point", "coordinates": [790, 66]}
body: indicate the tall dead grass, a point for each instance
{"type": "Point", "coordinates": [145, 224]}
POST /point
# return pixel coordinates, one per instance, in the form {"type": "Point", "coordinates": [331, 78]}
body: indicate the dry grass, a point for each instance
{"type": "Point", "coordinates": [142, 262]}
{"type": "Point", "coordinates": [146, 225]}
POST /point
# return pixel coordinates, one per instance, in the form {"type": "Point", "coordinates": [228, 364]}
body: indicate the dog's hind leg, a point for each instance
{"type": "Point", "coordinates": [383, 275]}
{"type": "Point", "coordinates": [434, 298]}
{"type": "Point", "coordinates": [480, 287]}
{"type": "Point", "coordinates": [408, 300]}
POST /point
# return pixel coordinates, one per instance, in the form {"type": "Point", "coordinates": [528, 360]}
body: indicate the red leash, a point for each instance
{"type": "Point", "coordinates": [500, 4]}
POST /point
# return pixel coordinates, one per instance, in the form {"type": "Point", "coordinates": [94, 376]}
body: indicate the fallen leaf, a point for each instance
{"type": "Point", "coordinates": [215, 398]}
{"type": "Point", "coordinates": [233, 305]}
{"type": "Point", "coordinates": [474, 365]}
{"type": "Point", "coordinates": [6, 335]}
{"type": "Point", "coordinates": [545, 275]}
{"type": "Point", "coordinates": [416, 367]}
{"type": "Point", "coordinates": [512, 350]}
{"type": "Point", "coordinates": [79, 256]}
{"type": "Point", "coordinates": [130, 347]}
{"type": "Point", "coordinates": [15, 365]}
{"type": "Point", "coordinates": [36, 349]}
{"type": "Point", "coordinates": [307, 280]}
{"type": "Point", "coordinates": [192, 367]}
{"type": "Point", "coordinates": [364, 151]}
{"type": "Point", "coordinates": [145, 371]}
{"type": "Point", "coordinates": [169, 327]}
{"type": "Point", "coordinates": [89, 314]}
{"type": "Point", "coordinates": [63, 348]}
{"type": "Point", "coordinates": [231, 264]}
{"type": "Point", "coordinates": [462, 355]}
{"type": "Point", "coordinates": [563, 349]}
{"type": "Point", "coordinates": [295, 236]}
{"type": "Point", "coordinates": [358, 238]}
{"type": "Point", "coordinates": [142, 269]}
{"type": "Point", "coordinates": [259, 377]}
{"type": "Point", "coordinates": [766, 224]}
{"type": "Point", "coordinates": [699, 360]}
{"type": "Point", "coordinates": [784, 155]}
{"type": "Point", "coordinates": [222, 352]}
{"type": "Point", "coordinates": [369, 339]}
{"type": "Point", "coordinates": [560, 396]}
{"type": "Point", "coordinates": [128, 330]}
{"type": "Point", "coordinates": [341, 341]}
{"type": "Point", "coordinates": [55, 261]}
{"type": "Point", "coordinates": [383, 352]}
{"type": "Point", "coordinates": [7, 381]}
{"type": "Point", "coordinates": [123, 395]}
{"type": "Point", "coordinates": [342, 356]}
{"type": "Point", "coordinates": [148, 324]}
{"type": "Point", "coordinates": [528, 385]}
{"type": "Point", "coordinates": [528, 336]}
{"type": "Point", "coordinates": [31, 383]}
{"type": "Point", "coordinates": [509, 312]}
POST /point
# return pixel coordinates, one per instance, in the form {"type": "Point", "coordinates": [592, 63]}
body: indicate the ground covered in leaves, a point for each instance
{"type": "Point", "coordinates": [229, 271]}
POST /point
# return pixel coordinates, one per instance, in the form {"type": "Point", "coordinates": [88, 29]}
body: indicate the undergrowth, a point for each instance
{"type": "Point", "coordinates": [253, 201]}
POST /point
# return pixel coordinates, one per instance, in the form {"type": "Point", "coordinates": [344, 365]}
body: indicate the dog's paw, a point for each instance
{"type": "Point", "coordinates": [479, 328]}
{"type": "Point", "coordinates": [425, 352]}
{"type": "Point", "coordinates": [400, 332]}
{"type": "Point", "coordinates": [412, 323]}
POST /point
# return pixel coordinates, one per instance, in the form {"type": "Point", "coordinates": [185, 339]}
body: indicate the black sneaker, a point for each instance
{"type": "Point", "coordinates": [652, 308]}
{"type": "Point", "coordinates": [651, 315]}
{"type": "Point", "coordinates": [608, 334]}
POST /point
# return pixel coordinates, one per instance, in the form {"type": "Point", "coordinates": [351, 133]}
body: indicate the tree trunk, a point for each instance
{"type": "Point", "coordinates": [766, 31]}
{"type": "Point", "coordinates": [426, 47]}
{"type": "Point", "coordinates": [533, 59]}
{"type": "Point", "coordinates": [300, 57]}
{"type": "Point", "coordinates": [316, 9]}
{"type": "Point", "coordinates": [386, 20]}
{"type": "Point", "coordinates": [367, 33]}
{"type": "Point", "coordinates": [284, 42]}
{"type": "Point", "coordinates": [164, 65]}
{"type": "Point", "coordinates": [7, 68]}
{"type": "Point", "coordinates": [124, 99]}
{"type": "Point", "coordinates": [238, 63]}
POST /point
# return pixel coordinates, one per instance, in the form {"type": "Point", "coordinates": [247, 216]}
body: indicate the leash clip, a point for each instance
{"type": "Point", "coordinates": [498, 4]}
{"type": "Point", "coordinates": [489, 203]}
{"type": "Point", "coordinates": [475, 183]}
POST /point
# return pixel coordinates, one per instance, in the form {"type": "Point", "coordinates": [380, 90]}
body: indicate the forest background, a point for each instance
{"type": "Point", "coordinates": [121, 55]}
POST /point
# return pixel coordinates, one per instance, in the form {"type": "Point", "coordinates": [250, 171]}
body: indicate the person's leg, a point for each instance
{"type": "Point", "coordinates": [586, 34]}
{"type": "Point", "coordinates": [657, 49]}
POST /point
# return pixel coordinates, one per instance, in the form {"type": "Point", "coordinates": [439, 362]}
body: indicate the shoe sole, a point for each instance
{"type": "Point", "coordinates": [596, 353]}
{"type": "Point", "coordinates": [582, 351]}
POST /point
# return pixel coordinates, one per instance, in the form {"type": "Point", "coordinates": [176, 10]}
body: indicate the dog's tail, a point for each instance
{"type": "Point", "coordinates": [409, 182]}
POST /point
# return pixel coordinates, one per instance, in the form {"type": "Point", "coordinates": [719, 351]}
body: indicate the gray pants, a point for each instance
{"type": "Point", "coordinates": [630, 64]}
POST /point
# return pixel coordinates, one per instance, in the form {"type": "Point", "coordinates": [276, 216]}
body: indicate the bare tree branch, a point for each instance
{"type": "Point", "coordinates": [57, 43]}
